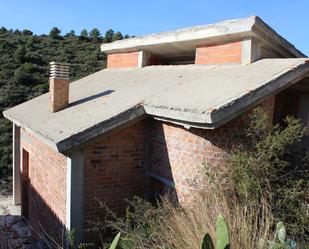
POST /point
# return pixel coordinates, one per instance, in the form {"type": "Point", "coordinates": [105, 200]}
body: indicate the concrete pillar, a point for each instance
{"type": "Point", "coordinates": [142, 58]}
{"type": "Point", "coordinates": [16, 166]}
{"type": "Point", "coordinates": [251, 51]}
{"type": "Point", "coordinates": [147, 59]}
{"type": "Point", "coordinates": [75, 194]}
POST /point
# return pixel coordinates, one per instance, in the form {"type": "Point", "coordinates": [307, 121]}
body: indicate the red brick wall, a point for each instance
{"type": "Point", "coordinates": [114, 170]}
{"type": "Point", "coordinates": [219, 54]}
{"type": "Point", "coordinates": [115, 167]}
{"type": "Point", "coordinates": [119, 60]}
{"type": "Point", "coordinates": [47, 176]}
{"type": "Point", "coordinates": [178, 154]}
{"type": "Point", "coordinates": [205, 54]}
{"type": "Point", "coordinates": [115, 164]}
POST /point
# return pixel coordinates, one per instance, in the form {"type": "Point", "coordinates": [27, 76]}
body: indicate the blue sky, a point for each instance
{"type": "Point", "coordinates": [290, 18]}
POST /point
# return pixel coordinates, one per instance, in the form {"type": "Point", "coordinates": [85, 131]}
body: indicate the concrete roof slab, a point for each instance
{"type": "Point", "coordinates": [184, 41]}
{"type": "Point", "coordinates": [193, 95]}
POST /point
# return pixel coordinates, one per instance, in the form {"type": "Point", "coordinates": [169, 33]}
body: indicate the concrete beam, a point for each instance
{"type": "Point", "coordinates": [184, 40]}
{"type": "Point", "coordinates": [75, 194]}
{"type": "Point", "coordinates": [16, 166]}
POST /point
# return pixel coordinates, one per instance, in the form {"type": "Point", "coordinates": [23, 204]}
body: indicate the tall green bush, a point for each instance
{"type": "Point", "coordinates": [271, 161]}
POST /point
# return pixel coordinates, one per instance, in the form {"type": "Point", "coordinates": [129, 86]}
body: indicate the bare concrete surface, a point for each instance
{"type": "Point", "coordinates": [15, 233]}
{"type": "Point", "coordinates": [185, 40]}
{"type": "Point", "coordinates": [193, 95]}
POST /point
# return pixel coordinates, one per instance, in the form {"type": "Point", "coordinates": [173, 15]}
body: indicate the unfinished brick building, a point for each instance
{"type": "Point", "coordinates": [166, 104]}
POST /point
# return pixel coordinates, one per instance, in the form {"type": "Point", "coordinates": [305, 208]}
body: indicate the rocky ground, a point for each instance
{"type": "Point", "coordinates": [14, 231]}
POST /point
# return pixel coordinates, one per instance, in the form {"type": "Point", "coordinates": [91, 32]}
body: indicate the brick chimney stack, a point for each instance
{"type": "Point", "coordinates": [59, 86]}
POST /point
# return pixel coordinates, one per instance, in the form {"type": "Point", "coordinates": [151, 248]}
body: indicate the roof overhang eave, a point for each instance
{"type": "Point", "coordinates": [252, 27]}
{"type": "Point", "coordinates": [85, 135]}
{"type": "Point", "coordinates": [230, 110]}
{"type": "Point", "coordinates": [20, 124]}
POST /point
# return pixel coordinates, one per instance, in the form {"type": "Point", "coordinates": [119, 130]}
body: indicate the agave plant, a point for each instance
{"type": "Point", "coordinates": [115, 241]}
{"type": "Point", "coordinates": [222, 236]}
{"type": "Point", "coordinates": [280, 241]}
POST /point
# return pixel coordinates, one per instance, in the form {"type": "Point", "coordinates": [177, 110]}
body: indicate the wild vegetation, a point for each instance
{"type": "Point", "coordinates": [266, 179]}
{"type": "Point", "coordinates": [263, 195]}
{"type": "Point", "coordinates": [24, 62]}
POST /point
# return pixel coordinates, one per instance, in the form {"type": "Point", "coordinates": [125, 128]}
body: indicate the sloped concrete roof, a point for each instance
{"type": "Point", "coordinates": [185, 40]}
{"type": "Point", "coordinates": [192, 95]}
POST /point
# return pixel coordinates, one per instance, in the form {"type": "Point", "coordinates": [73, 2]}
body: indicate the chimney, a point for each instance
{"type": "Point", "coordinates": [59, 86]}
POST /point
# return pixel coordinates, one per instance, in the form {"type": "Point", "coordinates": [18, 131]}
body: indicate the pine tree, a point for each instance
{"type": "Point", "coordinates": [95, 34]}
{"type": "Point", "coordinates": [55, 33]}
{"type": "Point", "coordinates": [109, 34]}
{"type": "Point", "coordinates": [84, 34]}
{"type": "Point", "coordinates": [117, 36]}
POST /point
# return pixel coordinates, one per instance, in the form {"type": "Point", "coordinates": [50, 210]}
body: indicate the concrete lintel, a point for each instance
{"type": "Point", "coordinates": [75, 194]}
{"type": "Point", "coordinates": [16, 166]}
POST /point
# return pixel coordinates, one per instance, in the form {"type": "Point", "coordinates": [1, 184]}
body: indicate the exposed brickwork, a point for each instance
{"type": "Point", "coordinates": [114, 170]}
{"type": "Point", "coordinates": [47, 185]}
{"type": "Point", "coordinates": [119, 60]}
{"type": "Point", "coordinates": [219, 54]}
{"type": "Point", "coordinates": [58, 94]}
{"type": "Point", "coordinates": [178, 154]}
{"type": "Point", "coordinates": [115, 167]}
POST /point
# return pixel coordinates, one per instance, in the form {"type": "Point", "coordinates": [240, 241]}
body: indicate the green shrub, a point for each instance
{"type": "Point", "coordinates": [268, 169]}
{"type": "Point", "coordinates": [270, 162]}
{"type": "Point", "coordinates": [140, 227]}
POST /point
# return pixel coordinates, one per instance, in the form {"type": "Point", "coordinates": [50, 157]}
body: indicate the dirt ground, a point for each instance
{"type": "Point", "coordinates": [14, 230]}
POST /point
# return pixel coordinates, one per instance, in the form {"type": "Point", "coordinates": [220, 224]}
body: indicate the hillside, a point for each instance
{"type": "Point", "coordinates": [24, 62]}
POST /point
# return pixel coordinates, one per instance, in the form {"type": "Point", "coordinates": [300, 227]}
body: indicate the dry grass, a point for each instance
{"type": "Point", "coordinates": [171, 226]}
{"type": "Point", "coordinates": [184, 229]}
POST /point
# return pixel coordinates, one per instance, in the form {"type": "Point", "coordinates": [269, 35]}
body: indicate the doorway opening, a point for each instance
{"type": "Point", "coordinates": [25, 207]}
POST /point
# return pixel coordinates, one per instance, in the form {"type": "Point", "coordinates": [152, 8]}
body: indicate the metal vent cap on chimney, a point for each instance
{"type": "Point", "coordinates": [59, 70]}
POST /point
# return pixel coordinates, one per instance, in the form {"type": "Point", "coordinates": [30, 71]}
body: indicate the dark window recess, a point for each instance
{"type": "Point", "coordinates": [25, 184]}
{"type": "Point", "coordinates": [178, 60]}
{"type": "Point", "coordinates": [294, 101]}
